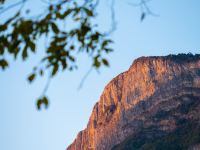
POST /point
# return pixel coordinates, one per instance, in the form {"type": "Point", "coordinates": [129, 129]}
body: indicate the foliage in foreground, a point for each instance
{"type": "Point", "coordinates": [20, 33]}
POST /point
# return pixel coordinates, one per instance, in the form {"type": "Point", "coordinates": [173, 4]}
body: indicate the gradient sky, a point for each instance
{"type": "Point", "coordinates": [22, 127]}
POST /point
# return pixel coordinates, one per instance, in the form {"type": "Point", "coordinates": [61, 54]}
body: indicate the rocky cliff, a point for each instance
{"type": "Point", "coordinates": [153, 105]}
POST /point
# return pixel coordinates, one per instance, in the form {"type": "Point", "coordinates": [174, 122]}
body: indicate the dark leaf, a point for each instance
{"type": "Point", "coordinates": [77, 19]}
{"type": "Point", "coordinates": [16, 52]}
{"type": "Point", "coordinates": [108, 50]}
{"type": "Point", "coordinates": [64, 63]}
{"type": "Point", "coordinates": [76, 11]}
{"type": "Point", "coordinates": [42, 101]}
{"type": "Point", "coordinates": [55, 69]}
{"type": "Point", "coordinates": [95, 37]}
{"type": "Point", "coordinates": [143, 16]}
{"type": "Point", "coordinates": [105, 43]}
{"type": "Point", "coordinates": [32, 46]}
{"type": "Point", "coordinates": [105, 62]}
{"type": "Point", "coordinates": [50, 7]}
{"type": "Point", "coordinates": [41, 72]}
{"type": "Point", "coordinates": [66, 13]}
{"type": "Point", "coordinates": [45, 102]}
{"type": "Point", "coordinates": [27, 11]}
{"type": "Point", "coordinates": [97, 63]}
{"type": "Point", "coordinates": [48, 17]}
{"type": "Point", "coordinates": [2, 1]}
{"type": "Point", "coordinates": [39, 102]}
{"type": "Point", "coordinates": [88, 12]}
{"type": "Point", "coordinates": [71, 58]}
{"type": "Point", "coordinates": [54, 28]}
{"type": "Point", "coordinates": [31, 77]}
{"type": "Point", "coordinates": [2, 50]}
{"type": "Point", "coordinates": [85, 29]}
{"type": "Point", "coordinates": [3, 63]}
{"type": "Point", "coordinates": [71, 68]}
{"type": "Point", "coordinates": [3, 27]}
{"type": "Point", "coordinates": [24, 52]}
{"type": "Point", "coordinates": [72, 47]}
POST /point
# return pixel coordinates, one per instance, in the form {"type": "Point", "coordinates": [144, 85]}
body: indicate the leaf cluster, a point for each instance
{"type": "Point", "coordinates": [19, 36]}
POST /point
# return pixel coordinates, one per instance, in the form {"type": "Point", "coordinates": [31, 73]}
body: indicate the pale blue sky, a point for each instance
{"type": "Point", "coordinates": [22, 127]}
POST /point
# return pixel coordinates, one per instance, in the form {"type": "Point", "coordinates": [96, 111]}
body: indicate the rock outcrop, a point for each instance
{"type": "Point", "coordinates": [155, 103]}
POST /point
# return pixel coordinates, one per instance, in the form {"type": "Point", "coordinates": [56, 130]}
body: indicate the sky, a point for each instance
{"type": "Point", "coordinates": [175, 30]}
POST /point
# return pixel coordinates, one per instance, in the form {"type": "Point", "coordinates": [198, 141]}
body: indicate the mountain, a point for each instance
{"type": "Point", "coordinates": [154, 105]}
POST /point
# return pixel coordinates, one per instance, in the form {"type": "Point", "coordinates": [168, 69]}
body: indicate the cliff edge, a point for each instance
{"type": "Point", "coordinates": [156, 103]}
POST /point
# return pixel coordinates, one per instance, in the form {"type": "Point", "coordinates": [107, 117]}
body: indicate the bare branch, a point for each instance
{"type": "Point", "coordinates": [145, 10]}
{"type": "Point", "coordinates": [47, 85]}
{"type": "Point", "coordinates": [113, 19]}
{"type": "Point", "coordinates": [84, 78]}
{"type": "Point", "coordinates": [13, 5]}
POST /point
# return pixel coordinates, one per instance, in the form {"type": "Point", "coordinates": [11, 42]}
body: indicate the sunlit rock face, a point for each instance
{"type": "Point", "coordinates": [154, 104]}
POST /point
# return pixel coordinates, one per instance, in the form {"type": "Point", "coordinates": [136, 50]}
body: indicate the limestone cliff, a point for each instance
{"type": "Point", "coordinates": [154, 99]}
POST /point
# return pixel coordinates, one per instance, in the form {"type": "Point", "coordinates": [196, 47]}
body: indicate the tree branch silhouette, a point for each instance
{"type": "Point", "coordinates": [145, 10]}
{"type": "Point", "coordinates": [19, 35]}
{"type": "Point", "coordinates": [13, 5]}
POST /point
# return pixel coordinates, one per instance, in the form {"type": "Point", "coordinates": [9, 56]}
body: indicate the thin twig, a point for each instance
{"type": "Point", "coordinates": [13, 5]}
{"type": "Point", "coordinates": [46, 2]}
{"type": "Point", "coordinates": [84, 78]}
{"type": "Point", "coordinates": [144, 7]}
{"type": "Point", "coordinates": [113, 19]}
{"type": "Point", "coordinates": [148, 9]}
{"type": "Point", "coordinates": [47, 85]}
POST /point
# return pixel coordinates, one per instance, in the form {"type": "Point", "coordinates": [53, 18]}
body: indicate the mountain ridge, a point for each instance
{"type": "Point", "coordinates": [131, 101]}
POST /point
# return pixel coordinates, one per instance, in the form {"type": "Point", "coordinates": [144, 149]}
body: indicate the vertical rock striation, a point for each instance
{"type": "Point", "coordinates": [146, 102]}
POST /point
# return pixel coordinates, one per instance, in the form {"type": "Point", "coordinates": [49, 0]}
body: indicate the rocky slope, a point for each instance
{"type": "Point", "coordinates": [153, 105]}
